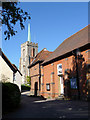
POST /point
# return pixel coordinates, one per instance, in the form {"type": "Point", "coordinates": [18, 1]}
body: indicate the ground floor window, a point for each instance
{"type": "Point", "coordinates": [48, 86]}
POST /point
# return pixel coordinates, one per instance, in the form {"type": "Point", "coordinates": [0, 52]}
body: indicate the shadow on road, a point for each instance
{"type": "Point", "coordinates": [38, 107]}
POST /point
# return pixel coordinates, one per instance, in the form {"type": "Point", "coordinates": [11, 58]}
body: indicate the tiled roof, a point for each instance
{"type": "Point", "coordinates": [41, 56]}
{"type": "Point", "coordinates": [75, 41]}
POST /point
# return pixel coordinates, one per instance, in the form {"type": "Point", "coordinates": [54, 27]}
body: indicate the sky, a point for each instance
{"type": "Point", "coordinates": [51, 23]}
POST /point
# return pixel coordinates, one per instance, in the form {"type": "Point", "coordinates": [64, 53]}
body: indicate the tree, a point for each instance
{"type": "Point", "coordinates": [11, 14]}
{"type": "Point", "coordinates": [29, 80]}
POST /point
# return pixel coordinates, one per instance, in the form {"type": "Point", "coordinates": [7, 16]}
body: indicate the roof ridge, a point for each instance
{"type": "Point", "coordinates": [68, 42]}
{"type": "Point", "coordinates": [74, 34]}
{"type": "Point", "coordinates": [40, 52]}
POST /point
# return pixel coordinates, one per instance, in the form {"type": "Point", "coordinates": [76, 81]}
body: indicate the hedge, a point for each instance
{"type": "Point", "coordinates": [10, 96]}
{"type": "Point", "coordinates": [25, 87]}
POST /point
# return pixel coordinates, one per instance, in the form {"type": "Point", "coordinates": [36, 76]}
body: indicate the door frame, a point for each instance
{"type": "Point", "coordinates": [35, 88]}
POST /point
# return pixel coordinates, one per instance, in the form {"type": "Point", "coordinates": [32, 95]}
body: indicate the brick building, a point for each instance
{"type": "Point", "coordinates": [35, 71]}
{"type": "Point", "coordinates": [65, 71]}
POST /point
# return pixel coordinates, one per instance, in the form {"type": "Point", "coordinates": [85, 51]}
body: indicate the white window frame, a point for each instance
{"type": "Point", "coordinates": [48, 86]}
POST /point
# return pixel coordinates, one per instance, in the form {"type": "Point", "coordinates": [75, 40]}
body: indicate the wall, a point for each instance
{"type": "Point", "coordinates": [34, 74]}
{"type": "Point", "coordinates": [34, 70]}
{"type": "Point", "coordinates": [50, 76]}
{"type": "Point", "coordinates": [6, 74]}
{"type": "Point", "coordinates": [18, 79]}
{"type": "Point", "coordinates": [26, 58]}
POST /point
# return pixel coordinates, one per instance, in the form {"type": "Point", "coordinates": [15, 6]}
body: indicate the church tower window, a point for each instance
{"type": "Point", "coordinates": [33, 52]}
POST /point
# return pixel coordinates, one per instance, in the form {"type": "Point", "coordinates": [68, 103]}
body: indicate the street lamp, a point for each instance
{"type": "Point", "coordinates": [77, 54]}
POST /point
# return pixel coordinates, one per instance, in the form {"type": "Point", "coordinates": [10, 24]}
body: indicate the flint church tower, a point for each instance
{"type": "Point", "coordinates": [28, 51]}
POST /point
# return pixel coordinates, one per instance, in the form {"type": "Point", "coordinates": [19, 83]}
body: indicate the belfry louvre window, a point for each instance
{"type": "Point", "coordinates": [33, 52]}
{"type": "Point", "coordinates": [48, 86]}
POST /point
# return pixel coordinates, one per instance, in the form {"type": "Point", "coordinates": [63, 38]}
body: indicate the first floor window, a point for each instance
{"type": "Point", "coordinates": [48, 86]}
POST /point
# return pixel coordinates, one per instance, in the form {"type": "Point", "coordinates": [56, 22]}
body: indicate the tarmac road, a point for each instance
{"type": "Point", "coordinates": [35, 107]}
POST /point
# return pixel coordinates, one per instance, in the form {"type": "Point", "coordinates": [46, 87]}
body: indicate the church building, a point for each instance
{"type": "Point", "coordinates": [35, 71]}
{"type": "Point", "coordinates": [64, 73]}
{"type": "Point", "coordinates": [28, 51]}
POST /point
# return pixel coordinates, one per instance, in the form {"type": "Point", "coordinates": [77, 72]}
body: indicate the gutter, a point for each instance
{"type": "Point", "coordinates": [85, 47]}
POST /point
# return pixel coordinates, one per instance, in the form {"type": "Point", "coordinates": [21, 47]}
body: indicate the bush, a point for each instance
{"type": "Point", "coordinates": [25, 87]}
{"type": "Point", "coordinates": [28, 80]}
{"type": "Point", "coordinates": [10, 96]}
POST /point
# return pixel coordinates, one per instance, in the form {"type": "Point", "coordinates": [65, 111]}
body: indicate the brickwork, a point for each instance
{"type": "Point", "coordinates": [34, 73]}
{"type": "Point", "coordinates": [67, 63]}
{"type": "Point", "coordinates": [63, 72]}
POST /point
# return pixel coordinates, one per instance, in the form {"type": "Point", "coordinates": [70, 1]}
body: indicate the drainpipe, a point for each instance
{"type": "Point", "coordinates": [39, 78]}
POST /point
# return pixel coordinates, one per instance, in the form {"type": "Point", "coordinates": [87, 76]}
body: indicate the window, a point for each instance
{"type": "Point", "coordinates": [59, 69]}
{"type": "Point", "coordinates": [24, 69]}
{"type": "Point", "coordinates": [48, 86]}
{"type": "Point", "coordinates": [33, 52]}
{"type": "Point", "coordinates": [66, 58]}
{"type": "Point", "coordinates": [23, 52]}
{"type": "Point", "coordinates": [23, 59]}
{"type": "Point", "coordinates": [60, 66]}
{"type": "Point", "coordinates": [87, 51]}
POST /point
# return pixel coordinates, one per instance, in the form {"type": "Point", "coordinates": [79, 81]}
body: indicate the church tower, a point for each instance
{"type": "Point", "coordinates": [28, 51]}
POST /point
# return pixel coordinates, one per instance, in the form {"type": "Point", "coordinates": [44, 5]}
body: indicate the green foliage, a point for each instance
{"type": "Point", "coordinates": [11, 14]}
{"type": "Point", "coordinates": [25, 87]}
{"type": "Point", "coordinates": [10, 96]}
{"type": "Point", "coordinates": [28, 80]}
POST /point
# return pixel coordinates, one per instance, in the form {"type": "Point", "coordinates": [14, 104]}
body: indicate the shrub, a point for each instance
{"type": "Point", "coordinates": [10, 96]}
{"type": "Point", "coordinates": [28, 80]}
{"type": "Point", "coordinates": [25, 87]}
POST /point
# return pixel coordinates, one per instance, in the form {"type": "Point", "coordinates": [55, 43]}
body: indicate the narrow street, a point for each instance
{"type": "Point", "coordinates": [35, 107]}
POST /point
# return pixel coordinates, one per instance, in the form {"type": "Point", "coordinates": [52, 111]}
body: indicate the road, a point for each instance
{"type": "Point", "coordinates": [35, 107]}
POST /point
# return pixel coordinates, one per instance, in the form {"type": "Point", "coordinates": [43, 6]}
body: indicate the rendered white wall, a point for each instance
{"type": "Point", "coordinates": [18, 79]}
{"type": "Point", "coordinates": [6, 74]}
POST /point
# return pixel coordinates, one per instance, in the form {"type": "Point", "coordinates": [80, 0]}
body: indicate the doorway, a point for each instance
{"type": "Point", "coordinates": [36, 88]}
{"type": "Point", "coordinates": [61, 85]}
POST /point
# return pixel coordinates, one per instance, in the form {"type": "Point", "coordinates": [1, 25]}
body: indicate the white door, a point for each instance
{"type": "Point", "coordinates": [61, 83]}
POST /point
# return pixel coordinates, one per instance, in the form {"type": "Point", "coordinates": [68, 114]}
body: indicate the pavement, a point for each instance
{"type": "Point", "coordinates": [36, 107]}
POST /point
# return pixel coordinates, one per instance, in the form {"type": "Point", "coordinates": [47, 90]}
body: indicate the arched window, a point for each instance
{"type": "Point", "coordinates": [23, 53]}
{"type": "Point", "coordinates": [33, 52]}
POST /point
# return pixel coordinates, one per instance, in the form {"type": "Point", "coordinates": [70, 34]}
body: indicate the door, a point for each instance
{"type": "Point", "coordinates": [61, 85]}
{"type": "Point", "coordinates": [36, 88]}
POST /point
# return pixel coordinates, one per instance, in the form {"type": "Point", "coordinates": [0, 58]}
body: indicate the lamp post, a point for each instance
{"type": "Point", "coordinates": [77, 54]}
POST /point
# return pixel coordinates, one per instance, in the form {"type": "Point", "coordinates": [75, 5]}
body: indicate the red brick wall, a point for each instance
{"type": "Point", "coordinates": [34, 73]}
{"type": "Point", "coordinates": [67, 63]}
{"type": "Point", "coordinates": [34, 70]}
{"type": "Point", "coordinates": [47, 78]}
